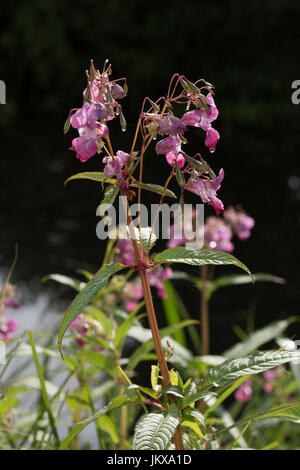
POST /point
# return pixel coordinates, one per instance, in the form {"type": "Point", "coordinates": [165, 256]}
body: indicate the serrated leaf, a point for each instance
{"type": "Point", "coordinates": [109, 198]}
{"type": "Point", "coordinates": [198, 258]}
{"type": "Point", "coordinates": [254, 364]}
{"type": "Point", "coordinates": [257, 339]}
{"type": "Point", "coordinates": [154, 431]}
{"type": "Point", "coordinates": [90, 175]}
{"type": "Point", "coordinates": [154, 188]}
{"type": "Point", "coordinates": [86, 295]}
{"type": "Point", "coordinates": [188, 400]}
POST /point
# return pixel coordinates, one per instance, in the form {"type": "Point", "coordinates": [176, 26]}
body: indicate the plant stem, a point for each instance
{"type": "Point", "coordinates": [205, 335]}
{"type": "Point", "coordinates": [152, 318]}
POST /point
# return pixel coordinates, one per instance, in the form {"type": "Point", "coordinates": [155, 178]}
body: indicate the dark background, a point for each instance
{"type": "Point", "coordinates": [248, 50]}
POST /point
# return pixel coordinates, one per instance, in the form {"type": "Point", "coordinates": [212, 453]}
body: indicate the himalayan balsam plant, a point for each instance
{"type": "Point", "coordinates": [178, 406]}
{"type": "Point", "coordinates": [189, 400]}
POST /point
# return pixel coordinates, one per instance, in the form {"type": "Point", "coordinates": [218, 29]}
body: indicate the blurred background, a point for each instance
{"type": "Point", "coordinates": [248, 50]}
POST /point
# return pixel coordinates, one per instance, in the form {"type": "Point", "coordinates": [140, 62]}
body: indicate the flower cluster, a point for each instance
{"type": "Point", "coordinates": [8, 325]}
{"type": "Point", "coordinates": [218, 231]}
{"type": "Point", "coordinates": [100, 106]}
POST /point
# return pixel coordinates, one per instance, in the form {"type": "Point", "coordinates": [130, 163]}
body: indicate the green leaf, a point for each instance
{"type": "Point", "coordinates": [154, 431]}
{"type": "Point", "coordinates": [46, 400]}
{"type": "Point", "coordinates": [193, 398]}
{"type": "Point", "coordinates": [154, 188]}
{"type": "Point", "coordinates": [66, 280]}
{"type": "Point", "coordinates": [124, 327]}
{"type": "Point", "coordinates": [198, 258]}
{"type": "Point", "coordinates": [154, 376]}
{"type": "Point", "coordinates": [254, 364]}
{"type": "Point", "coordinates": [101, 361]}
{"type": "Point", "coordinates": [86, 295]}
{"type": "Point", "coordinates": [115, 403]}
{"type": "Point", "coordinates": [109, 198]}
{"type": "Point", "coordinates": [287, 412]}
{"type": "Point", "coordinates": [67, 123]}
{"type": "Point", "coordinates": [172, 312]}
{"type": "Point", "coordinates": [90, 175]}
{"type": "Point", "coordinates": [239, 279]}
{"type": "Point", "coordinates": [173, 390]}
{"type": "Point", "coordinates": [105, 423]}
{"type": "Point", "coordinates": [256, 339]}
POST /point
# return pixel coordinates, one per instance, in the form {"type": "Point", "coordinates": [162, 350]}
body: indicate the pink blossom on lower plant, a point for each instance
{"type": "Point", "coordinates": [218, 235]}
{"type": "Point", "coordinates": [7, 326]}
{"type": "Point", "coordinates": [244, 392]}
{"type": "Point", "coordinates": [241, 223]}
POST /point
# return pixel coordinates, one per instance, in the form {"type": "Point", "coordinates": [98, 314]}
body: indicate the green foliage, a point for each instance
{"type": "Point", "coordinates": [198, 258]}
{"type": "Point", "coordinates": [154, 431]}
{"type": "Point", "coordinates": [86, 295]}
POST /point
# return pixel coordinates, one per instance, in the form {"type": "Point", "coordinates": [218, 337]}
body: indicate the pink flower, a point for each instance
{"type": "Point", "coordinates": [244, 392]}
{"type": "Point", "coordinates": [211, 139]}
{"type": "Point", "coordinates": [86, 144]}
{"type": "Point", "coordinates": [218, 235]}
{"type": "Point", "coordinates": [171, 125]}
{"type": "Point", "coordinates": [85, 116]}
{"type": "Point", "coordinates": [134, 293]}
{"type": "Point", "coordinates": [206, 189]}
{"type": "Point", "coordinates": [240, 222]}
{"type": "Point", "coordinates": [171, 147]}
{"type": "Point", "coordinates": [156, 279]}
{"type": "Point", "coordinates": [9, 325]}
{"type": "Point", "coordinates": [114, 165]}
{"type": "Point", "coordinates": [203, 118]}
{"type": "Point", "coordinates": [125, 252]}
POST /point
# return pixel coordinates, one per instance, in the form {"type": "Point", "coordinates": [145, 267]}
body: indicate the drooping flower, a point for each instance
{"type": "Point", "coordinates": [86, 144]}
{"type": "Point", "coordinates": [207, 189]}
{"type": "Point", "coordinates": [241, 223]}
{"type": "Point", "coordinates": [171, 148]}
{"type": "Point", "coordinates": [203, 118]}
{"type": "Point", "coordinates": [211, 139]}
{"type": "Point", "coordinates": [244, 392]}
